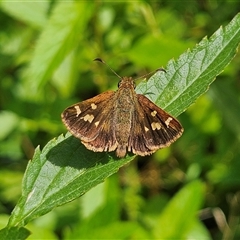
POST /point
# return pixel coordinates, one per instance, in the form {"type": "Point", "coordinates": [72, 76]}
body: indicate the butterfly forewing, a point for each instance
{"type": "Point", "coordinates": [86, 120]}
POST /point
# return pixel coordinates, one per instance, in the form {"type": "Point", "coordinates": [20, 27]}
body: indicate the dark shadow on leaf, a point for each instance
{"type": "Point", "coordinates": [71, 152]}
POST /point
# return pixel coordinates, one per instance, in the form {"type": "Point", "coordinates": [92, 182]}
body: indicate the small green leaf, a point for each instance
{"type": "Point", "coordinates": [199, 231]}
{"type": "Point", "coordinates": [8, 121]}
{"type": "Point", "coordinates": [62, 172]}
{"type": "Point", "coordinates": [227, 101]}
{"type": "Point", "coordinates": [58, 39]}
{"type": "Point", "coordinates": [171, 224]}
{"type": "Point", "coordinates": [14, 233]}
{"type": "Point", "coordinates": [33, 13]}
{"type": "Point", "coordinates": [190, 75]}
{"type": "Point", "coordinates": [152, 48]}
{"type": "Point", "coordinates": [114, 230]}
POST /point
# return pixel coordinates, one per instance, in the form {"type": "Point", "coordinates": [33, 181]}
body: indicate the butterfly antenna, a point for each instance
{"type": "Point", "coordinates": [100, 60]}
{"type": "Point", "coordinates": [145, 75]}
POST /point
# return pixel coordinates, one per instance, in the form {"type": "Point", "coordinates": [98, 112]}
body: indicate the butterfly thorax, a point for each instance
{"type": "Point", "coordinates": [125, 98]}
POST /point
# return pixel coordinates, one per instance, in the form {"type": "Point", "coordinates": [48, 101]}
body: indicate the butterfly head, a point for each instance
{"type": "Point", "coordinates": [126, 82]}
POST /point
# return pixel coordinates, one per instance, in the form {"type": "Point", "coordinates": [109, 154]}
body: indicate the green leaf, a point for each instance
{"type": "Point", "coordinates": [114, 230]}
{"type": "Point", "coordinates": [66, 74]}
{"type": "Point", "coordinates": [170, 224]}
{"type": "Point", "coordinates": [8, 121]}
{"type": "Point", "coordinates": [227, 101]}
{"type": "Point", "coordinates": [59, 38]}
{"type": "Point", "coordinates": [33, 13]}
{"type": "Point", "coordinates": [191, 74]}
{"type": "Point", "coordinates": [14, 233]}
{"type": "Point", "coordinates": [103, 214]}
{"type": "Point", "coordinates": [62, 172]}
{"type": "Point", "coordinates": [199, 231]}
{"type": "Point", "coordinates": [147, 47]}
{"type": "Point", "coordinates": [65, 170]}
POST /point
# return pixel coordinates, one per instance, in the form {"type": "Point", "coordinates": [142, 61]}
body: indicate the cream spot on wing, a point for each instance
{"type": "Point", "coordinates": [156, 125]}
{"type": "Point", "coordinates": [146, 129]}
{"type": "Point", "coordinates": [93, 106]}
{"type": "Point", "coordinates": [154, 113]}
{"type": "Point", "coordinates": [168, 121]}
{"type": "Point", "coordinates": [96, 123]}
{"type": "Point", "coordinates": [77, 110]}
{"type": "Point", "coordinates": [88, 118]}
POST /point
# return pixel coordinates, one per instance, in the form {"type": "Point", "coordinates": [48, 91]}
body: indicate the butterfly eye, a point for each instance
{"type": "Point", "coordinates": [119, 83]}
{"type": "Point", "coordinates": [134, 85]}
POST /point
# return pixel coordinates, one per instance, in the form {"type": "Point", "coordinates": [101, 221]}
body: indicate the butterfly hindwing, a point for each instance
{"type": "Point", "coordinates": [105, 140]}
{"type": "Point", "coordinates": [152, 128]}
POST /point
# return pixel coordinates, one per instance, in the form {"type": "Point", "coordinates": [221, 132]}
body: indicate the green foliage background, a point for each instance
{"type": "Point", "coordinates": [190, 190]}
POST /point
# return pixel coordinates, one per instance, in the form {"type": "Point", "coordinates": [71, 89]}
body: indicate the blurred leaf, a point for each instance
{"type": "Point", "coordinates": [148, 52]}
{"type": "Point", "coordinates": [205, 116]}
{"type": "Point", "coordinates": [8, 121]}
{"type": "Point", "coordinates": [65, 75]}
{"type": "Point", "coordinates": [58, 39]}
{"type": "Point", "coordinates": [190, 75]}
{"type": "Point", "coordinates": [39, 232]}
{"type": "Point", "coordinates": [33, 13]}
{"type": "Point", "coordinates": [114, 230]}
{"type": "Point", "coordinates": [14, 233]}
{"type": "Point", "coordinates": [225, 172]}
{"type": "Point", "coordinates": [109, 209]}
{"type": "Point", "coordinates": [227, 101]}
{"type": "Point", "coordinates": [171, 224]}
{"type": "Point", "coordinates": [3, 220]}
{"type": "Point", "coordinates": [92, 200]}
{"type": "Point", "coordinates": [10, 185]}
{"type": "Point", "coordinates": [119, 230]}
{"type": "Point", "coordinates": [63, 171]}
{"type": "Point", "coordinates": [198, 231]}
{"type": "Point", "coordinates": [104, 213]}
